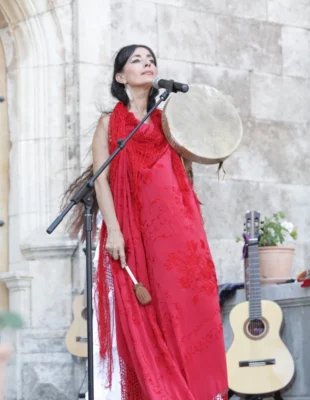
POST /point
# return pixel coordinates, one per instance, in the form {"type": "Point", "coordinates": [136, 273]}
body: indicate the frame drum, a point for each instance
{"type": "Point", "coordinates": [202, 125]}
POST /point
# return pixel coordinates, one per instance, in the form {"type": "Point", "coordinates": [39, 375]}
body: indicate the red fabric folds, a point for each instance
{"type": "Point", "coordinates": [173, 348]}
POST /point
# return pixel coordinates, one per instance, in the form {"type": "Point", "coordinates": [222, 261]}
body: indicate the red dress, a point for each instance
{"type": "Point", "coordinates": [173, 348]}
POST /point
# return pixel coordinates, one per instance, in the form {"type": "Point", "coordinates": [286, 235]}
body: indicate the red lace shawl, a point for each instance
{"type": "Point", "coordinates": [172, 349]}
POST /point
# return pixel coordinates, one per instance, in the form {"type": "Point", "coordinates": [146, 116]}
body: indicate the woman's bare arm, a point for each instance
{"type": "Point", "coordinates": [100, 148]}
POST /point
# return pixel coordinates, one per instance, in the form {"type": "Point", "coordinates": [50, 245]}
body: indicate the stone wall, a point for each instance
{"type": "Point", "coordinates": [59, 57]}
{"type": "Point", "coordinates": [258, 53]}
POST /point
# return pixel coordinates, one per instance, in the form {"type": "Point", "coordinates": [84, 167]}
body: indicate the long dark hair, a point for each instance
{"type": "Point", "coordinates": [76, 221]}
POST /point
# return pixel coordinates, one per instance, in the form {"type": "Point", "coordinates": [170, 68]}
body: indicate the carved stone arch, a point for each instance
{"type": "Point", "coordinates": [37, 79]}
{"type": "Point", "coordinates": [37, 76]}
{"type": "Point", "coordinates": [38, 47]}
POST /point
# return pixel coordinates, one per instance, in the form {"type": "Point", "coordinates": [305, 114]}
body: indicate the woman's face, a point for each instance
{"type": "Point", "coordinates": [140, 69]}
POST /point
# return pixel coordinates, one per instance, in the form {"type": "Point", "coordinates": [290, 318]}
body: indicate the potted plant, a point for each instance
{"type": "Point", "coordinates": [275, 260]}
{"type": "Point", "coordinates": [8, 320]}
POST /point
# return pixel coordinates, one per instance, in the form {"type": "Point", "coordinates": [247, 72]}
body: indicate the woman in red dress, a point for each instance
{"type": "Point", "coordinates": [172, 348]}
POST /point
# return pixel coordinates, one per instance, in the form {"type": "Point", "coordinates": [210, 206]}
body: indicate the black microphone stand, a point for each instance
{"type": "Point", "coordinates": [85, 196]}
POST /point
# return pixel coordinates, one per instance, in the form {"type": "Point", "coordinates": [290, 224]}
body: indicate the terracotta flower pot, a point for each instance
{"type": "Point", "coordinates": [275, 264]}
{"type": "Point", "coordinates": [5, 352]}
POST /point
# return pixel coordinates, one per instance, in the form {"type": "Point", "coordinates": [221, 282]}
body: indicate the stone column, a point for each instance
{"type": "Point", "coordinates": [42, 296]}
{"type": "Point", "coordinates": [19, 286]}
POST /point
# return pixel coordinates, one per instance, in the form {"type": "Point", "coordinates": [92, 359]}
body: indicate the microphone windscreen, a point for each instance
{"type": "Point", "coordinates": [155, 82]}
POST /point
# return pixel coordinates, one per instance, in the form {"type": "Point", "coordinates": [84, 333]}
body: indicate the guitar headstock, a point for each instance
{"type": "Point", "coordinates": [252, 227]}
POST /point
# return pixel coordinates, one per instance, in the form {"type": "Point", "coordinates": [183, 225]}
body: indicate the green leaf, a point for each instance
{"type": "Point", "coordinates": [294, 234]}
{"type": "Point", "coordinates": [10, 320]}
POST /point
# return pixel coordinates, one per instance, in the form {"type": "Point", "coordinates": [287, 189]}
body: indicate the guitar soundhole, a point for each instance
{"type": "Point", "coordinates": [84, 314]}
{"type": "Point", "coordinates": [256, 327]}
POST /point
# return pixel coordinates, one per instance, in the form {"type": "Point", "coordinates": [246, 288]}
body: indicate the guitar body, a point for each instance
{"type": "Point", "coordinates": [76, 337]}
{"type": "Point", "coordinates": [266, 364]}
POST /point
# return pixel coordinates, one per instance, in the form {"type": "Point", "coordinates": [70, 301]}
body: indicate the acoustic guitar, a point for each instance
{"type": "Point", "coordinates": [258, 361]}
{"type": "Point", "coordinates": [76, 337]}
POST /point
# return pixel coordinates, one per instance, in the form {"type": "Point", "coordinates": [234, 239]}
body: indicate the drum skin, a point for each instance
{"type": "Point", "coordinates": [202, 125]}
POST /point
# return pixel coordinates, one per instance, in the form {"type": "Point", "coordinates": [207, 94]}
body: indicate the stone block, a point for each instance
{"type": "Point", "coordinates": [279, 98]}
{"type": "Point", "coordinates": [95, 97]}
{"type": "Point", "coordinates": [27, 224]}
{"type": "Point", "coordinates": [48, 379]}
{"type": "Point", "coordinates": [57, 183]}
{"type": "Point", "coordinates": [19, 286]}
{"type": "Point", "coordinates": [133, 22]}
{"type": "Point", "coordinates": [177, 70]}
{"type": "Point", "coordinates": [43, 6]}
{"type": "Point", "coordinates": [95, 31]}
{"type": "Point", "coordinates": [57, 246]}
{"type": "Point", "coordinates": [260, 149]}
{"type": "Point", "coordinates": [186, 35]}
{"type": "Point", "coordinates": [301, 258]}
{"type": "Point", "coordinates": [60, 3]}
{"type": "Point", "coordinates": [34, 119]}
{"type": "Point", "coordinates": [10, 55]}
{"type": "Point", "coordinates": [293, 202]}
{"type": "Point", "coordinates": [296, 51]}
{"type": "Point", "coordinates": [14, 106]}
{"type": "Point", "coordinates": [42, 341]}
{"type": "Point", "coordinates": [235, 84]}
{"type": "Point", "coordinates": [15, 255]}
{"type": "Point", "coordinates": [224, 204]}
{"type": "Point", "coordinates": [3, 22]}
{"type": "Point", "coordinates": [14, 184]}
{"type": "Point", "coordinates": [15, 13]}
{"type": "Point", "coordinates": [247, 9]}
{"type": "Point", "coordinates": [31, 156]}
{"type": "Point", "coordinates": [85, 152]}
{"type": "Point", "coordinates": [289, 12]}
{"type": "Point", "coordinates": [21, 36]}
{"type": "Point", "coordinates": [64, 21]}
{"type": "Point", "coordinates": [40, 32]}
{"type": "Point", "coordinates": [227, 257]}
{"type": "Point", "coordinates": [216, 6]}
{"type": "Point", "coordinates": [23, 154]}
{"type": "Point", "coordinates": [295, 305]}
{"type": "Point", "coordinates": [10, 388]}
{"type": "Point", "coordinates": [55, 89]}
{"type": "Point", "coordinates": [52, 38]}
{"type": "Point", "coordinates": [249, 44]}
{"type": "Point", "coordinates": [53, 310]}
{"type": "Point", "coordinates": [175, 3]}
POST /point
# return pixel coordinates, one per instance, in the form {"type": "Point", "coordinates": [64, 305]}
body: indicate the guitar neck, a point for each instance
{"type": "Point", "coordinates": [254, 283]}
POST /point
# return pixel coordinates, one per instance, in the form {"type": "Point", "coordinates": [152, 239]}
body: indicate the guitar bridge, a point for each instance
{"type": "Point", "coordinates": [257, 363]}
{"type": "Point", "coordinates": [81, 339]}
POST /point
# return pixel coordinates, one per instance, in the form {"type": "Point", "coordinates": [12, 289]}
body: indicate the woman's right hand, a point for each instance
{"type": "Point", "coordinates": [116, 245]}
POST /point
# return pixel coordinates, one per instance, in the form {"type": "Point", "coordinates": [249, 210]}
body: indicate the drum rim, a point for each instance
{"type": "Point", "coordinates": [169, 131]}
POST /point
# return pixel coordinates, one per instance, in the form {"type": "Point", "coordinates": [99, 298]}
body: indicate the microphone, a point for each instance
{"type": "Point", "coordinates": [171, 85]}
